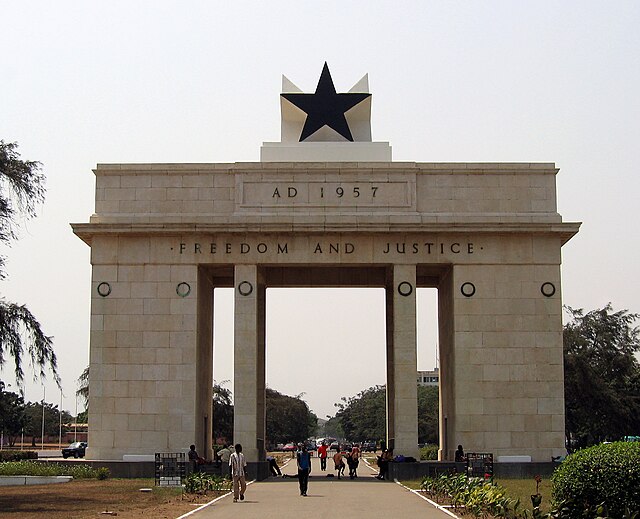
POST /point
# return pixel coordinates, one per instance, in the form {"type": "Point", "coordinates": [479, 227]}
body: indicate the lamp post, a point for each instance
{"type": "Point", "coordinates": [44, 394]}
{"type": "Point", "coordinates": [75, 425]}
{"type": "Point", "coordinates": [60, 423]}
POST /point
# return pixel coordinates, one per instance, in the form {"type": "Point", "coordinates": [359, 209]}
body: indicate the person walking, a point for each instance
{"type": "Point", "coordinates": [338, 463]}
{"type": "Point", "coordinates": [238, 466]}
{"type": "Point", "coordinates": [322, 454]}
{"type": "Point", "coordinates": [354, 461]}
{"type": "Point", "coordinates": [304, 469]}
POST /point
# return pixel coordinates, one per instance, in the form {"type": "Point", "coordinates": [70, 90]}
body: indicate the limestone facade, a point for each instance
{"type": "Point", "coordinates": [488, 236]}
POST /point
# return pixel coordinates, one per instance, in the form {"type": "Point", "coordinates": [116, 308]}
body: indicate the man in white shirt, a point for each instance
{"type": "Point", "coordinates": [238, 465]}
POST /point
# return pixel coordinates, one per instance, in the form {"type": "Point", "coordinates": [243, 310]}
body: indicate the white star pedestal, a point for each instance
{"type": "Point", "coordinates": [325, 145]}
{"type": "Point", "coordinates": [325, 152]}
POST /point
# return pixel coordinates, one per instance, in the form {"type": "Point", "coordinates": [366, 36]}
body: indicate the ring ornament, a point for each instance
{"type": "Point", "coordinates": [245, 288]}
{"type": "Point", "coordinates": [548, 289]}
{"type": "Point", "coordinates": [468, 289]}
{"type": "Point", "coordinates": [183, 289]}
{"type": "Point", "coordinates": [405, 289]}
{"type": "Point", "coordinates": [104, 289]}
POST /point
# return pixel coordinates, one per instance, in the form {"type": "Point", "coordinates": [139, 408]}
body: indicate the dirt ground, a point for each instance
{"type": "Point", "coordinates": [88, 498]}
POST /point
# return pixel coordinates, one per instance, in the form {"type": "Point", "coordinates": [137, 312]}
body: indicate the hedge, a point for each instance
{"type": "Point", "coordinates": [18, 455]}
{"type": "Point", "coordinates": [607, 474]}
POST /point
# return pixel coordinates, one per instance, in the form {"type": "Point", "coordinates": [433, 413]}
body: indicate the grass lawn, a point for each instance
{"type": "Point", "coordinates": [523, 488]}
{"type": "Point", "coordinates": [88, 498]}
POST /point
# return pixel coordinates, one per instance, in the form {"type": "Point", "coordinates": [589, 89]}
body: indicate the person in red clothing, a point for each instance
{"type": "Point", "coordinates": [322, 454]}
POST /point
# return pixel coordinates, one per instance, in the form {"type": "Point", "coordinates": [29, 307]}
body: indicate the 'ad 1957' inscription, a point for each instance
{"type": "Point", "coordinates": [326, 194]}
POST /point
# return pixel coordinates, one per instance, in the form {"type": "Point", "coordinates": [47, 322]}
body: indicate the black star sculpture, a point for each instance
{"type": "Point", "coordinates": [325, 107]}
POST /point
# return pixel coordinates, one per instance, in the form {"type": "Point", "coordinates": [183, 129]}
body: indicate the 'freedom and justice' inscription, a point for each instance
{"type": "Point", "coordinates": [317, 193]}
{"type": "Point", "coordinates": [315, 247]}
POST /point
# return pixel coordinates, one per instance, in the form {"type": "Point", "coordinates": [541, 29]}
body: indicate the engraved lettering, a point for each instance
{"type": "Point", "coordinates": [415, 248]}
{"type": "Point", "coordinates": [196, 248]}
{"type": "Point", "coordinates": [455, 248]}
{"type": "Point", "coordinates": [442, 248]}
{"type": "Point", "coordinates": [428, 245]}
{"type": "Point", "coordinates": [244, 248]}
{"type": "Point", "coordinates": [292, 192]}
{"type": "Point", "coordinates": [276, 194]}
{"type": "Point", "coordinates": [349, 248]}
{"type": "Point", "coordinates": [398, 248]}
{"type": "Point", "coordinates": [213, 249]}
{"type": "Point", "coordinates": [469, 248]}
{"type": "Point", "coordinates": [262, 248]}
{"type": "Point", "coordinates": [228, 248]}
{"type": "Point", "coordinates": [374, 189]}
{"type": "Point", "coordinates": [183, 246]}
{"type": "Point", "coordinates": [283, 249]}
{"type": "Point", "coordinates": [387, 250]}
{"type": "Point", "coordinates": [334, 248]}
{"type": "Point", "coordinates": [318, 249]}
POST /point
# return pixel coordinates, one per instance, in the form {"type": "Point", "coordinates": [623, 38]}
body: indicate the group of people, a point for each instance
{"type": "Point", "coordinates": [353, 460]}
{"type": "Point", "coordinates": [237, 467]}
{"type": "Point", "coordinates": [238, 464]}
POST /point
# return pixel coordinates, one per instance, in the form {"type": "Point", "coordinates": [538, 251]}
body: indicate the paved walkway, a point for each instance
{"type": "Point", "coordinates": [330, 498]}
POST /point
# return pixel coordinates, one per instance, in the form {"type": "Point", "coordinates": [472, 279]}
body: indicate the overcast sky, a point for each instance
{"type": "Point", "coordinates": [156, 81]}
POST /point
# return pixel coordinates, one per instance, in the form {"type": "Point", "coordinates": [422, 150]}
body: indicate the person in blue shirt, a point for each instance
{"type": "Point", "coordinates": [304, 469]}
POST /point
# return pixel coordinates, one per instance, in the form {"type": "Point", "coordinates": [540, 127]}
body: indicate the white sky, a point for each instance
{"type": "Point", "coordinates": [156, 81]}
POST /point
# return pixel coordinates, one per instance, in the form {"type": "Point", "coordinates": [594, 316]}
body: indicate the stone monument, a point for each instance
{"type": "Point", "coordinates": [326, 207]}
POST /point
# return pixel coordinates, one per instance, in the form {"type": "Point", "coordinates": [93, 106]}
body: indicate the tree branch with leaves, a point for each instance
{"type": "Point", "coordinates": [21, 191]}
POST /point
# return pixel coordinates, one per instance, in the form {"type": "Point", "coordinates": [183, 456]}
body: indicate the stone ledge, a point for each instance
{"type": "Point", "coordinates": [12, 481]}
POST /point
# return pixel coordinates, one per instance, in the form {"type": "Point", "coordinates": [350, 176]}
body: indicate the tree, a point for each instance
{"type": "Point", "coordinates": [83, 387]}
{"type": "Point", "coordinates": [12, 415]}
{"type": "Point", "coordinates": [288, 418]}
{"type": "Point", "coordinates": [222, 412]}
{"type": "Point", "coordinates": [33, 421]}
{"type": "Point", "coordinates": [21, 190]}
{"type": "Point", "coordinates": [362, 417]}
{"type": "Point", "coordinates": [602, 375]}
{"type": "Point", "coordinates": [428, 410]}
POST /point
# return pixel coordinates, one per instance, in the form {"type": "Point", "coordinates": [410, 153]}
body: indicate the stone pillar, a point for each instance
{"type": "Point", "coordinates": [402, 392]}
{"type": "Point", "coordinates": [204, 366]}
{"type": "Point", "coordinates": [249, 361]}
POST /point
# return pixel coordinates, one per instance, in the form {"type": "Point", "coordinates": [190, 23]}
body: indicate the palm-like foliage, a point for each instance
{"type": "Point", "coordinates": [21, 190]}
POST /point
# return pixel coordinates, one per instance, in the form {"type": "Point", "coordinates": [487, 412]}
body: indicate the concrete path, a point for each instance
{"type": "Point", "coordinates": [330, 498]}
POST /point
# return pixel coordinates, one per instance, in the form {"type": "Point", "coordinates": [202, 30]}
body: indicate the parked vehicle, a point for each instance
{"type": "Point", "coordinates": [76, 449]}
{"type": "Point", "coordinates": [369, 447]}
{"type": "Point", "coordinates": [290, 447]}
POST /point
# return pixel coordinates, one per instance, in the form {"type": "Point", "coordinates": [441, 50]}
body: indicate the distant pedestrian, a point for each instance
{"type": "Point", "coordinates": [195, 458]}
{"type": "Point", "coordinates": [273, 466]}
{"type": "Point", "coordinates": [353, 461]}
{"type": "Point", "coordinates": [304, 469]}
{"type": "Point", "coordinates": [459, 456]}
{"type": "Point", "coordinates": [383, 463]}
{"type": "Point", "coordinates": [238, 466]}
{"type": "Point", "coordinates": [322, 454]}
{"type": "Point", "coordinates": [338, 463]}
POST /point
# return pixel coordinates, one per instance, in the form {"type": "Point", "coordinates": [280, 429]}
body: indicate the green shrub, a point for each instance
{"type": "Point", "coordinates": [472, 496]}
{"type": "Point", "coordinates": [200, 483]}
{"type": "Point", "coordinates": [32, 468]}
{"type": "Point", "coordinates": [429, 452]}
{"type": "Point", "coordinates": [103, 473]}
{"type": "Point", "coordinates": [605, 476]}
{"type": "Point", "coordinates": [18, 455]}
